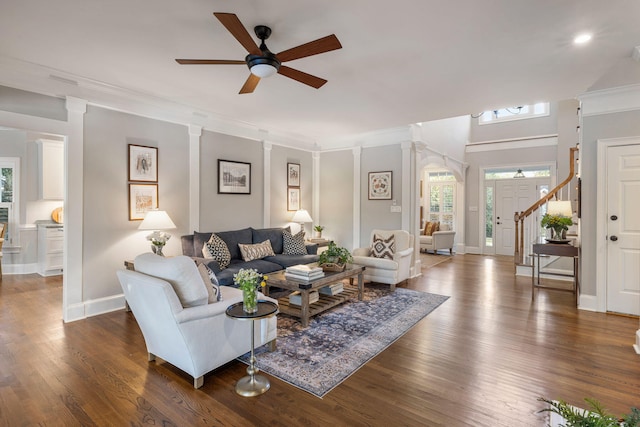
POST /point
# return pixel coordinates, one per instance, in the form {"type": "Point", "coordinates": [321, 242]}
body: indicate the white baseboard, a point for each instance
{"type": "Point", "coordinates": [588, 302]}
{"type": "Point", "coordinates": [10, 269]}
{"type": "Point", "coordinates": [74, 312]}
{"type": "Point", "coordinates": [474, 250]}
{"type": "Point", "coordinates": [636, 346]}
{"type": "Point", "coordinates": [460, 248]}
{"type": "Point", "coordinates": [104, 305]}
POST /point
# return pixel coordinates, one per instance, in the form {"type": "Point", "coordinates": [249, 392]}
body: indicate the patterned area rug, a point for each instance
{"type": "Point", "coordinates": [338, 342]}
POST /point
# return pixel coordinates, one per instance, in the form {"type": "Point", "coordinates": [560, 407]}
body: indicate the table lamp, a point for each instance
{"type": "Point", "coordinates": [157, 220]}
{"type": "Point", "coordinates": [301, 216]}
{"type": "Point", "coordinates": [559, 207]}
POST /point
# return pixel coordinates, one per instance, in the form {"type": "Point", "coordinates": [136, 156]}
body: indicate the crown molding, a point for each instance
{"type": "Point", "coordinates": [37, 78]}
{"type": "Point", "coordinates": [609, 101]}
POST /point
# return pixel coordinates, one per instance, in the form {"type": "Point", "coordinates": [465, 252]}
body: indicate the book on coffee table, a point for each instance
{"type": "Point", "coordinates": [296, 298]}
{"type": "Point", "coordinates": [333, 289]}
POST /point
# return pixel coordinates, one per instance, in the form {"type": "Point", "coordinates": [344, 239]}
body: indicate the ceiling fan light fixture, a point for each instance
{"type": "Point", "coordinates": [263, 66]}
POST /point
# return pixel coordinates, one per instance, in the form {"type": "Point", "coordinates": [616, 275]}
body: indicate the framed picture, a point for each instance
{"type": "Point", "coordinates": [293, 175]}
{"type": "Point", "coordinates": [380, 185]}
{"type": "Point", "coordinates": [143, 163]}
{"type": "Point", "coordinates": [293, 199]}
{"type": "Point", "coordinates": [142, 198]}
{"type": "Point", "coordinates": [234, 177]}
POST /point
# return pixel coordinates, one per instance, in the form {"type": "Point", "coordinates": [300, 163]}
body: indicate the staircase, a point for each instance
{"type": "Point", "coordinates": [526, 233]}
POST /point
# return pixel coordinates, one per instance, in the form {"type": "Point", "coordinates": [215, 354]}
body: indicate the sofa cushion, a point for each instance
{"type": "Point", "coordinates": [430, 227]}
{"type": "Point", "coordinates": [256, 251]}
{"type": "Point", "coordinates": [293, 244]}
{"type": "Point", "coordinates": [225, 277]}
{"type": "Point", "coordinates": [199, 239]}
{"type": "Point", "coordinates": [383, 248]}
{"type": "Point", "coordinates": [217, 249]}
{"type": "Point", "coordinates": [180, 271]}
{"type": "Point", "coordinates": [285, 261]}
{"type": "Point", "coordinates": [211, 283]}
{"type": "Point", "coordinates": [232, 238]}
{"type": "Point", "coordinates": [273, 234]}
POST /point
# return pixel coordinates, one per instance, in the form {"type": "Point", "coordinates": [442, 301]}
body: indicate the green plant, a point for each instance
{"type": "Point", "coordinates": [335, 254]}
{"type": "Point", "coordinates": [596, 416]}
{"type": "Point", "coordinates": [557, 222]}
{"type": "Point", "coordinates": [318, 228]}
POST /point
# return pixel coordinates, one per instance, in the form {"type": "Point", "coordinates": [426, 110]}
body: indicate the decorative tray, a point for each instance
{"type": "Point", "coordinates": [558, 240]}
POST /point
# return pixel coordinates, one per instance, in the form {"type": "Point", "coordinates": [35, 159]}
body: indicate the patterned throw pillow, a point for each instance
{"type": "Point", "coordinates": [383, 248]}
{"type": "Point", "coordinates": [257, 251]}
{"type": "Point", "coordinates": [211, 282]}
{"type": "Point", "coordinates": [217, 249]}
{"type": "Point", "coordinates": [430, 227]}
{"type": "Point", "coordinates": [293, 245]}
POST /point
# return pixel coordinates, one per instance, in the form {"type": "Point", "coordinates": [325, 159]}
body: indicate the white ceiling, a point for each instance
{"type": "Point", "coordinates": [402, 62]}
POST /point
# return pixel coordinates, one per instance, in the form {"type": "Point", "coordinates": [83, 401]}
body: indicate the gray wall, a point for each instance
{"type": "Point", "coordinates": [597, 127]}
{"type": "Point", "coordinates": [336, 196]}
{"type": "Point", "coordinates": [32, 104]}
{"type": "Point", "coordinates": [109, 236]}
{"type": "Point", "coordinates": [280, 156]}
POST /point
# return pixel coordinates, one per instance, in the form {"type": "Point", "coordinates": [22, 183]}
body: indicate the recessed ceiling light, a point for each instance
{"type": "Point", "coordinates": [582, 38]}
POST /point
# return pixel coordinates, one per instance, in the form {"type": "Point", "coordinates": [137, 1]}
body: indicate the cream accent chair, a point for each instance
{"type": "Point", "coordinates": [383, 270]}
{"type": "Point", "coordinates": [195, 339]}
{"type": "Point", "coordinates": [443, 239]}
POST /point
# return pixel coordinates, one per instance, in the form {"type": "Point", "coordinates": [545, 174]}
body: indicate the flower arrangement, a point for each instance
{"type": "Point", "coordinates": [158, 239]}
{"type": "Point", "coordinates": [558, 223]}
{"type": "Point", "coordinates": [250, 281]}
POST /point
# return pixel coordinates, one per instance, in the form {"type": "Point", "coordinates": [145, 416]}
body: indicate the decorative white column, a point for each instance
{"type": "Point", "coordinates": [357, 151]}
{"type": "Point", "coordinates": [416, 226]}
{"type": "Point", "coordinates": [408, 182]}
{"type": "Point", "coordinates": [315, 193]}
{"type": "Point", "coordinates": [72, 286]}
{"type": "Point", "coordinates": [266, 178]}
{"type": "Point", "coordinates": [195, 132]}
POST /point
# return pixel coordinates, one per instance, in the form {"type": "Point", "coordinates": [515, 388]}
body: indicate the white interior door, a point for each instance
{"type": "Point", "coordinates": [623, 229]}
{"type": "Point", "coordinates": [513, 196]}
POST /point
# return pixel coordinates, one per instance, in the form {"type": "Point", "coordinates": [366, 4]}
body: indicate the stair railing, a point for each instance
{"type": "Point", "coordinates": [519, 217]}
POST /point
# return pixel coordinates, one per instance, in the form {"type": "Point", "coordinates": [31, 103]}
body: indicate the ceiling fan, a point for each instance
{"type": "Point", "coordinates": [262, 62]}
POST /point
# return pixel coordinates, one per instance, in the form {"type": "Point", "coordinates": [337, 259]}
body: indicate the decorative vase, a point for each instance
{"type": "Point", "coordinates": [318, 234]}
{"type": "Point", "coordinates": [157, 249]}
{"type": "Point", "coordinates": [558, 234]}
{"type": "Point", "coordinates": [250, 301]}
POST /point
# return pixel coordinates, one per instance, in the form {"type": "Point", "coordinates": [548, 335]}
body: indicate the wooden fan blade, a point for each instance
{"type": "Point", "coordinates": [210, 61]}
{"type": "Point", "coordinates": [250, 85]}
{"type": "Point", "coordinates": [237, 30]}
{"type": "Point", "coordinates": [302, 77]}
{"type": "Point", "coordinates": [315, 47]}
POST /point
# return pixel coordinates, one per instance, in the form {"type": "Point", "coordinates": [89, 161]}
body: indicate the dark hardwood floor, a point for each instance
{"type": "Point", "coordinates": [480, 359]}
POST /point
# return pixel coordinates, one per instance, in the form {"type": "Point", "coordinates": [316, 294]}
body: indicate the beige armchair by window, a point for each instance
{"type": "Point", "coordinates": [390, 269]}
{"type": "Point", "coordinates": [442, 239]}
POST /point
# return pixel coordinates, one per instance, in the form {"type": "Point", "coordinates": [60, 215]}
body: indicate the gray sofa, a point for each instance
{"type": "Point", "coordinates": [192, 246]}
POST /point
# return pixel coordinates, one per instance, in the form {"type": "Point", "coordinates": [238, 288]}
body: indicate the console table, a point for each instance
{"type": "Point", "coordinates": [555, 249]}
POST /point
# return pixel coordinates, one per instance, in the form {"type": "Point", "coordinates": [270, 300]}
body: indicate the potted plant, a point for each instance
{"type": "Point", "coordinates": [558, 224]}
{"type": "Point", "coordinates": [334, 258]}
{"type": "Point", "coordinates": [318, 229]}
{"type": "Point", "coordinates": [596, 416]}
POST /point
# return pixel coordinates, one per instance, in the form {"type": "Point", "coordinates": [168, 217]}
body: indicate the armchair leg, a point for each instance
{"type": "Point", "coordinates": [272, 345]}
{"type": "Point", "coordinates": [450, 251]}
{"type": "Point", "coordinates": [198, 382]}
{"type": "Point", "coordinates": [393, 287]}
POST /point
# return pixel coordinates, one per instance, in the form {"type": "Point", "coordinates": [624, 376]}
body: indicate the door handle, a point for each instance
{"type": "Point", "coordinates": [498, 223]}
{"type": "Point", "coordinates": [614, 217]}
{"type": "Point", "coordinates": [614, 238]}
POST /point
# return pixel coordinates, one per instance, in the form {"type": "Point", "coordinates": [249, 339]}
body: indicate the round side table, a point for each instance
{"type": "Point", "coordinates": [253, 384]}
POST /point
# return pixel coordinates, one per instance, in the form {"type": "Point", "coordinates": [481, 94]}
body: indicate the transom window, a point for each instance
{"type": "Point", "coordinates": [511, 172]}
{"type": "Point", "coordinates": [513, 113]}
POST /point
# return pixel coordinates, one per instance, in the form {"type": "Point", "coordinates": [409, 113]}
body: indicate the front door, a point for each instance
{"type": "Point", "coordinates": [623, 229]}
{"type": "Point", "coordinates": [511, 196]}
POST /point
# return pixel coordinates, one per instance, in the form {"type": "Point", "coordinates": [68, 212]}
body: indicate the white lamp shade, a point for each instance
{"type": "Point", "coordinates": [559, 207]}
{"type": "Point", "coordinates": [301, 216]}
{"type": "Point", "coordinates": [263, 70]}
{"type": "Point", "coordinates": [156, 220]}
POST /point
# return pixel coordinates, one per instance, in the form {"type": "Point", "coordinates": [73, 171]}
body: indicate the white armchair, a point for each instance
{"type": "Point", "coordinates": [196, 339]}
{"type": "Point", "coordinates": [384, 270]}
{"type": "Point", "coordinates": [442, 239]}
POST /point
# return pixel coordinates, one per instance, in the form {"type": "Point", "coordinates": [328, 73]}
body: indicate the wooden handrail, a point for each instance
{"type": "Point", "coordinates": [520, 217]}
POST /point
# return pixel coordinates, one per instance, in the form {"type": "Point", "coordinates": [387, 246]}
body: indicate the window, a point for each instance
{"type": "Point", "coordinates": [509, 173]}
{"type": "Point", "coordinates": [514, 113]}
{"type": "Point", "coordinates": [9, 174]}
{"type": "Point", "coordinates": [441, 190]}
{"type": "Point", "coordinates": [488, 217]}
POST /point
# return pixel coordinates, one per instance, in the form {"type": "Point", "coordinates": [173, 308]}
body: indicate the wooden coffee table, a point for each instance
{"type": "Point", "coordinates": [305, 310]}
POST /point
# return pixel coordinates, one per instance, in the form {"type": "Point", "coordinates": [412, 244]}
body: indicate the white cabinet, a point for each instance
{"type": "Point", "coordinates": [50, 249]}
{"type": "Point", "coordinates": [51, 169]}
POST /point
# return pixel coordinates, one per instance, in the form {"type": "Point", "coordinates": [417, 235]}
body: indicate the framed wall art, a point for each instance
{"type": "Point", "coordinates": [293, 175]}
{"type": "Point", "coordinates": [293, 199]}
{"type": "Point", "coordinates": [380, 185]}
{"type": "Point", "coordinates": [142, 198]}
{"type": "Point", "coordinates": [234, 177]}
{"type": "Point", "coordinates": [143, 163]}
